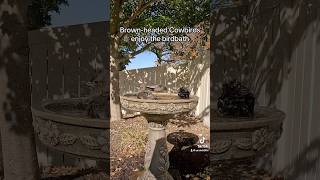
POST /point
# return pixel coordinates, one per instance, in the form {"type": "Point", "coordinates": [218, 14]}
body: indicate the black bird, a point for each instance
{"type": "Point", "coordinates": [236, 100]}
{"type": "Point", "coordinates": [184, 93]}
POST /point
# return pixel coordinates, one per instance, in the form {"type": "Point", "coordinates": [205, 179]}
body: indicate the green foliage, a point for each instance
{"type": "Point", "coordinates": [154, 14]}
{"type": "Point", "coordinates": [38, 12]}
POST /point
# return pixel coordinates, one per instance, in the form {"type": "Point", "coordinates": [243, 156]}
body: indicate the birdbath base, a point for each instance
{"type": "Point", "coordinates": [156, 161]}
{"type": "Point", "coordinates": [157, 111]}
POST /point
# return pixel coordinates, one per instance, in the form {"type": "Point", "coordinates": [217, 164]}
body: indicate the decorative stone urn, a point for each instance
{"type": "Point", "coordinates": [63, 125]}
{"type": "Point", "coordinates": [157, 112]}
{"type": "Point", "coordinates": [236, 138]}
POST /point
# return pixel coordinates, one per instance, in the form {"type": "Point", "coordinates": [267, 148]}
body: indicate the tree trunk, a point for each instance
{"type": "Point", "coordinates": [115, 110]}
{"type": "Point", "coordinates": [17, 136]}
{"type": "Point", "coordinates": [1, 161]}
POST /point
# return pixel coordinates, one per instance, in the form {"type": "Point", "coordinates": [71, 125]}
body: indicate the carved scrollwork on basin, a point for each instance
{"type": "Point", "coordinates": [221, 146]}
{"type": "Point", "coordinates": [260, 139]}
{"type": "Point", "coordinates": [248, 143]}
{"type": "Point", "coordinates": [67, 139]}
{"type": "Point", "coordinates": [47, 132]}
{"type": "Point", "coordinates": [90, 142]}
{"type": "Point", "coordinates": [50, 134]}
{"type": "Point", "coordinates": [250, 137]}
{"type": "Point", "coordinates": [96, 143]}
{"type": "Point", "coordinates": [244, 144]}
{"type": "Point", "coordinates": [263, 137]}
{"type": "Point", "coordinates": [158, 107]}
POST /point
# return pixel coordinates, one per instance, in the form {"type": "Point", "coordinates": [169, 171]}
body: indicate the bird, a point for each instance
{"type": "Point", "coordinates": [157, 88]}
{"type": "Point", "coordinates": [146, 95]}
{"type": "Point", "coordinates": [145, 92]}
{"type": "Point", "coordinates": [184, 93]}
{"type": "Point", "coordinates": [99, 91]}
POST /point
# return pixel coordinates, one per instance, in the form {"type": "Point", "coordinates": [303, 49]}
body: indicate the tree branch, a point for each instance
{"type": "Point", "coordinates": [141, 8]}
{"type": "Point", "coordinates": [115, 16]}
{"type": "Point", "coordinates": [131, 55]}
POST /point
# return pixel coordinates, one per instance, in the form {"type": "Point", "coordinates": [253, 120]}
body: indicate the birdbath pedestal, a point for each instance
{"type": "Point", "coordinates": [158, 112]}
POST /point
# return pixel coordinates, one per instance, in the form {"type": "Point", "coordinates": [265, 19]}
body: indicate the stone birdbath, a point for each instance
{"type": "Point", "coordinates": [243, 138]}
{"type": "Point", "coordinates": [63, 125]}
{"type": "Point", "coordinates": [77, 126]}
{"type": "Point", "coordinates": [158, 112]}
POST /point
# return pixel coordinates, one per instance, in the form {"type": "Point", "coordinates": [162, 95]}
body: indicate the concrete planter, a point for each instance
{"type": "Point", "coordinates": [236, 138]}
{"type": "Point", "coordinates": [68, 129]}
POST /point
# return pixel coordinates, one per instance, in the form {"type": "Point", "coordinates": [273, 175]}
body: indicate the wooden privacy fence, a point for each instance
{"type": "Point", "coordinates": [281, 42]}
{"type": "Point", "coordinates": [195, 75]}
{"type": "Point", "coordinates": [63, 60]}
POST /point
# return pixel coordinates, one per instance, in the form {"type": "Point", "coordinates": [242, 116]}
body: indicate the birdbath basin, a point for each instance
{"type": "Point", "coordinates": [157, 112]}
{"type": "Point", "coordinates": [64, 125]}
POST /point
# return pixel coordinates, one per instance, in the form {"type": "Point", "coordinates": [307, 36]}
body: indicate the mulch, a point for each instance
{"type": "Point", "coordinates": [126, 158]}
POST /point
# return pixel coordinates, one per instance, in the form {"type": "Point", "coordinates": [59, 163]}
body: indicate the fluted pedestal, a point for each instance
{"type": "Point", "coordinates": [156, 159]}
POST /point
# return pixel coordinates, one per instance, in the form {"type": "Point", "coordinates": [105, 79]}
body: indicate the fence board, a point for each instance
{"type": "Point", "coordinates": [68, 52]}
{"type": "Point", "coordinates": [122, 84]}
{"type": "Point", "coordinates": [135, 84]}
{"type": "Point", "coordinates": [315, 96]}
{"type": "Point", "coordinates": [171, 78]}
{"type": "Point", "coordinates": [299, 95]}
{"type": "Point", "coordinates": [151, 75]}
{"type": "Point", "coordinates": [102, 56]}
{"type": "Point", "coordinates": [55, 70]}
{"type": "Point", "coordinates": [87, 66]}
{"type": "Point", "coordinates": [306, 84]}
{"type": "Point", "coordinates": [38, 56]}
{"type": "Point", "coordinates": [139, 77]}
{"type": "Point", "coordinates": [71, 63]}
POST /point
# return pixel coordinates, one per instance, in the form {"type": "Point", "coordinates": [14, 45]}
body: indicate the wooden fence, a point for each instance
{"type": "Point", "coordinates": [63, 60]}
{"type": "Point", "coordinates": [281, 42]}
{"type": "Point", "coordinates": [298, 153]}
{"type": "Point", "coordinates": [194, 75]}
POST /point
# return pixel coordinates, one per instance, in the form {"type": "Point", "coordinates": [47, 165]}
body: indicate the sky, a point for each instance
{"type": "Point", "coordinates": [85, 11]}
{"type": "Point", "coordinates": [142, 60]}
{"type": "Point", "coordinates": [81, 11]}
